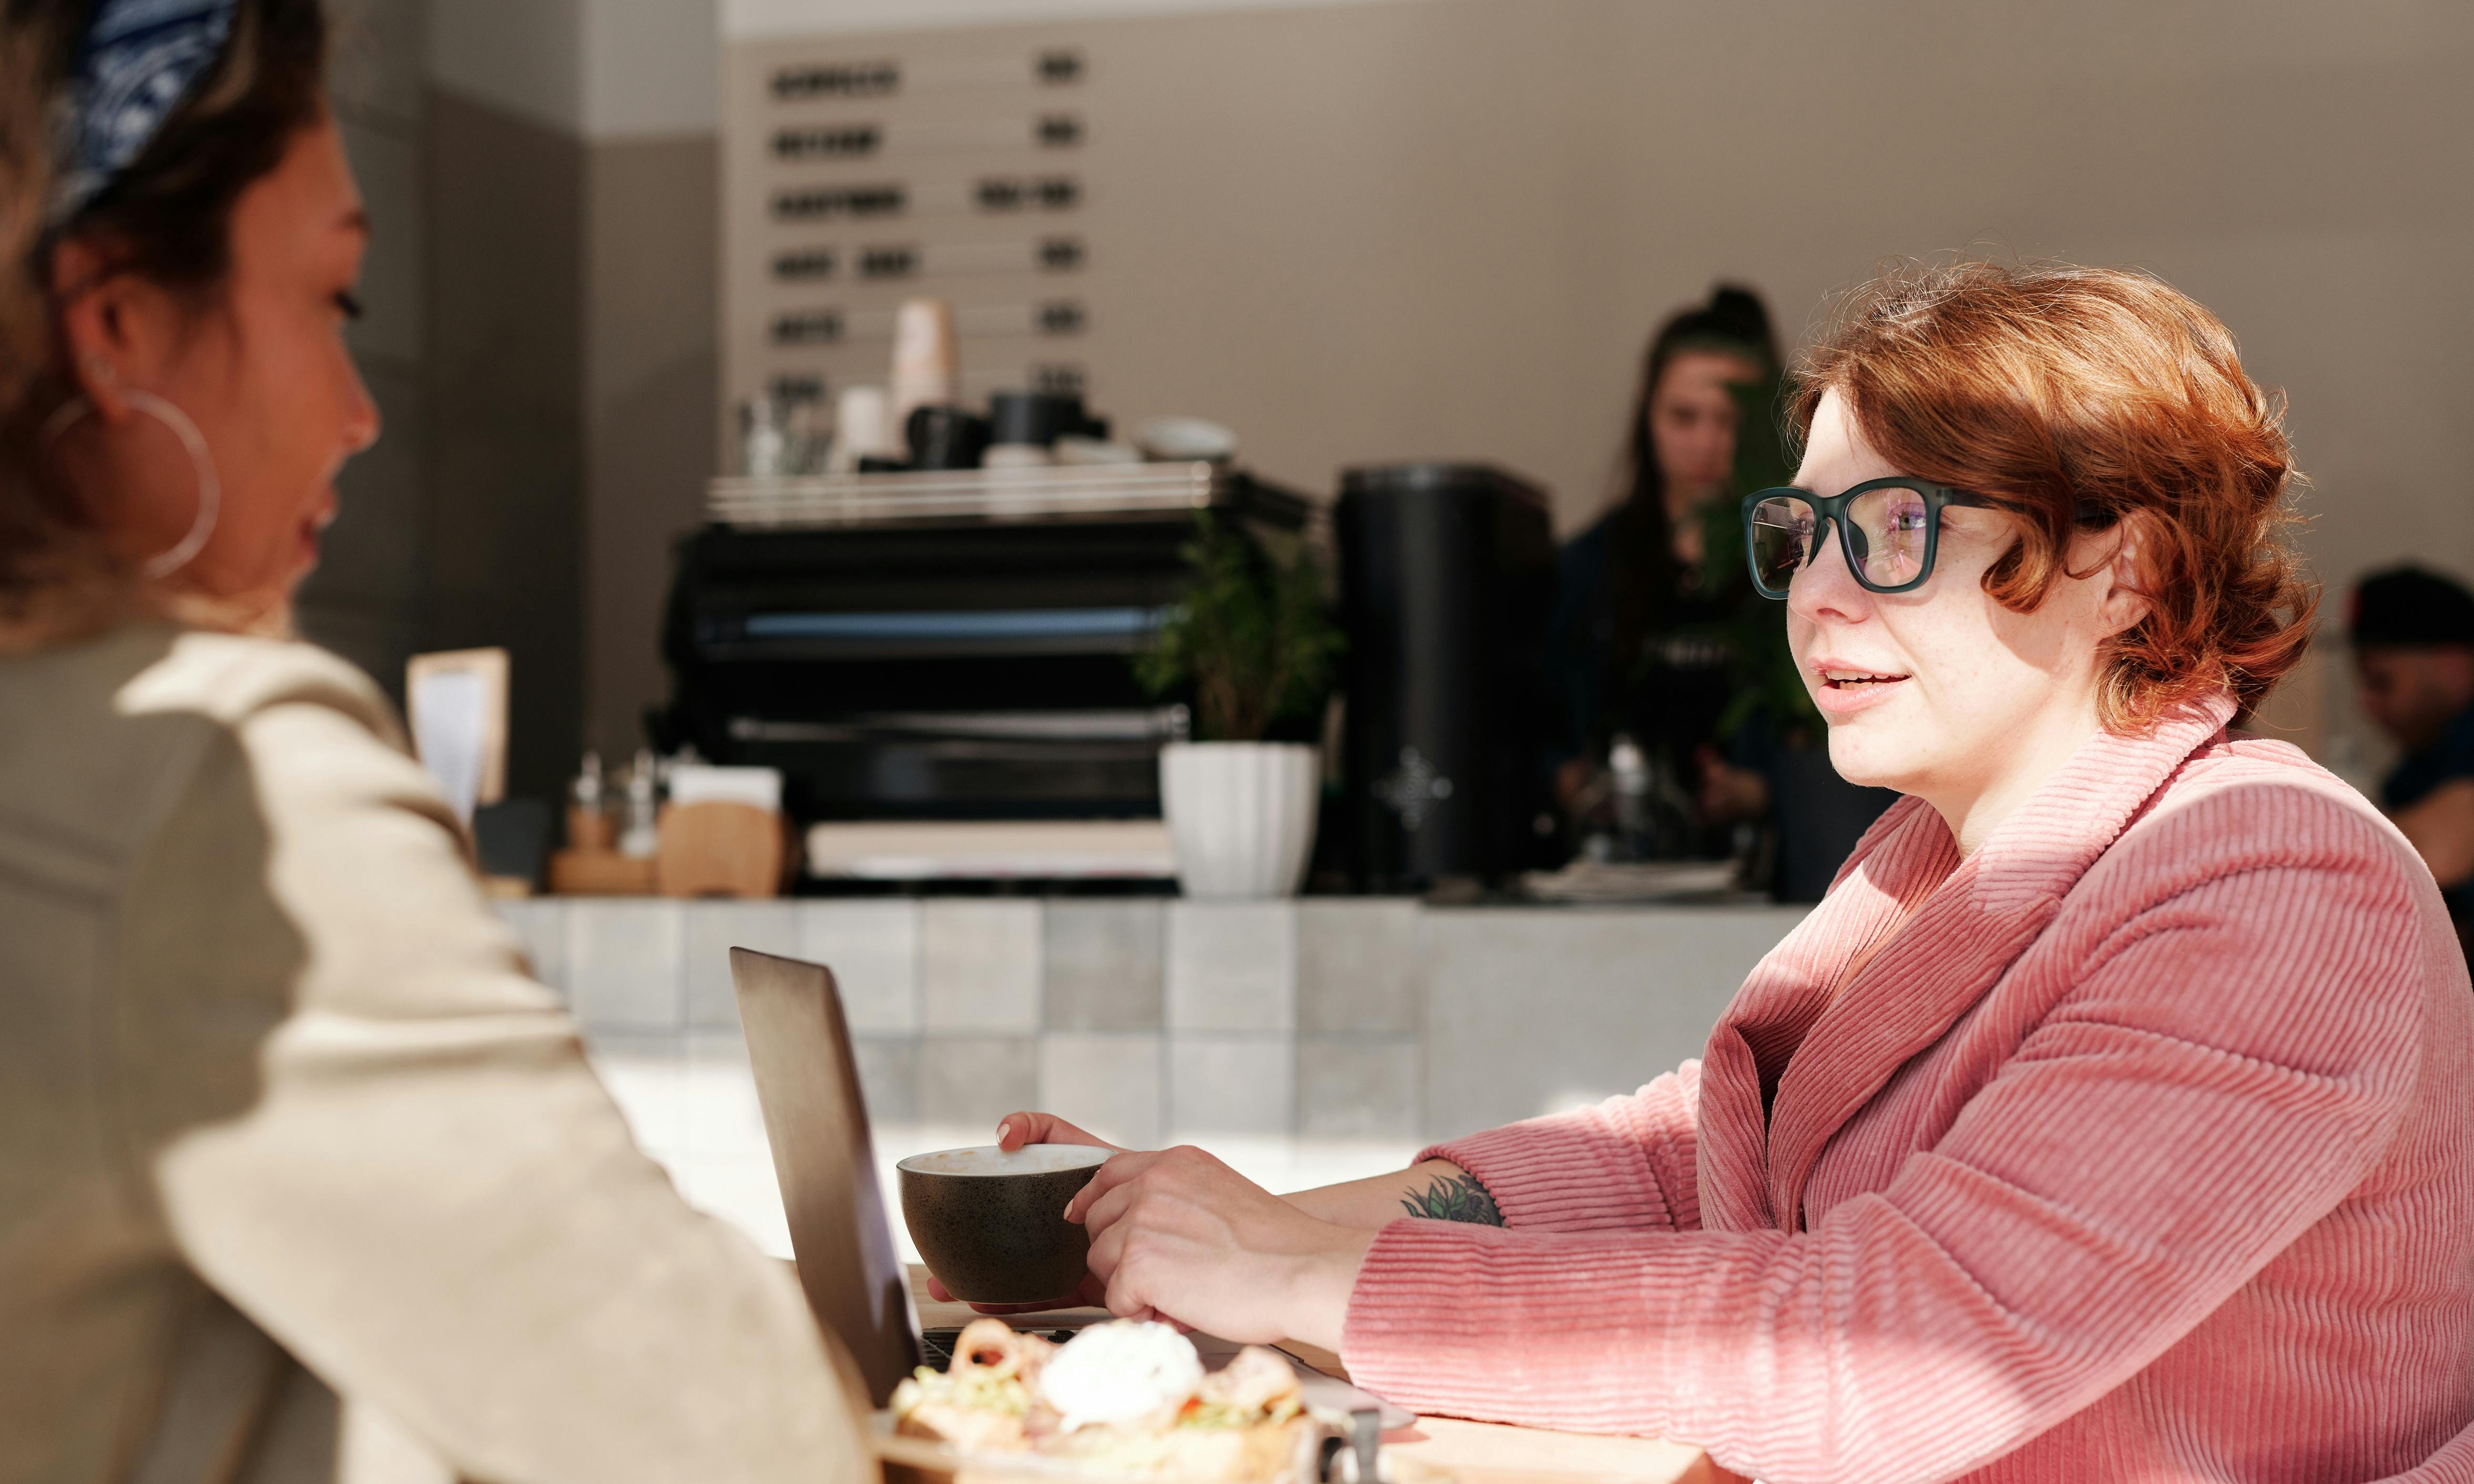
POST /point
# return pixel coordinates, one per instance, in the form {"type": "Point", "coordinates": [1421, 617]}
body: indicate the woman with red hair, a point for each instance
{"type": "Point", "coordinates": [2110, 1117]}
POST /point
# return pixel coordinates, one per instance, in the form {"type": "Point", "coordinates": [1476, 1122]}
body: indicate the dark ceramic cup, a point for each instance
{"type": "Point", "coordinates": [992, 1226]}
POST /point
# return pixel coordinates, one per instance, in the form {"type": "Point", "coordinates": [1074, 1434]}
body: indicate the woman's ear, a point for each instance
{"type": "Point", "coordinates": [2125, 576]}
{"type": "Point", "coordinates": [117, 327]}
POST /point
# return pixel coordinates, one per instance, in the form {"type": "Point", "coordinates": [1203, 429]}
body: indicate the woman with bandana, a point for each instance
{"type": "Point", "coordinates": [283, 1117]}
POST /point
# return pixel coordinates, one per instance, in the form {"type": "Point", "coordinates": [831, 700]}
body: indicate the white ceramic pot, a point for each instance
{"type": "Point", "coordinates": [1242, 815]}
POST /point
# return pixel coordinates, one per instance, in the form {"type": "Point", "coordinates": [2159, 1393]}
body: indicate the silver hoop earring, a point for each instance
{"type": "Point", "coordinates": [211, 494]}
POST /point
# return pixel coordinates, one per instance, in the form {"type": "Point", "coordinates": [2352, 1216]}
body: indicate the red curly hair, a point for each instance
{"type": "Point", "coordinates": [2047, 386]}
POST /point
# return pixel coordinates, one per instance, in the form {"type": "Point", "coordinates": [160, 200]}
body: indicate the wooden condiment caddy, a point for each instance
{"type": "Point", "coordinates": [704, 848]}
{"type": "Point", "coordinates": [721, 850]}
{"type": "Point", "coordinates": [590, 865]}
{"type": "Point", "coordinates": [707, 849]}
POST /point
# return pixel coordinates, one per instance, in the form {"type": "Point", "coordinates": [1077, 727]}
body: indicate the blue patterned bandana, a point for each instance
{"type": "Point", "coordinates": [135, 64]}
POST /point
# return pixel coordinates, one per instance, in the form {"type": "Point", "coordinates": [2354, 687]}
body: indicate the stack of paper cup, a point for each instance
{"type": "Point", "coordinates": [926, 359]}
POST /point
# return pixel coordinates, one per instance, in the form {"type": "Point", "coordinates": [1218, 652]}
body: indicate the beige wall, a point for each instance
{"type": "Point", "coordinates": [1445, 227]}
{"type": "Point", "coordinates": [1394, 230]}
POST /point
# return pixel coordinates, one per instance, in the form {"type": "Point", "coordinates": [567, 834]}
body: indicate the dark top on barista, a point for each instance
{"type": "Point", "coordinates": [1639, 641]}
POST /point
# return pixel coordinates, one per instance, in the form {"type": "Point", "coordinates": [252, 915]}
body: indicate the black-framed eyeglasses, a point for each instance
{"type": "Point", "coordinates": [1890, 530]}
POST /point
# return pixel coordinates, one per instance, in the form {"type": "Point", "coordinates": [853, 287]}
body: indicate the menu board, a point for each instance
{"type": "Point", "coordinates": [860, 172]}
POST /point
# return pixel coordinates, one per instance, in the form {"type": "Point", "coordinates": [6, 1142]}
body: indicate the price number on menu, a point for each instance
{"type": "Point", "coordinates": [809, 327]}
{"type": "Point", "coordinates": [1019, 193]}
{"type": "Point", "coordinates": [893, 261]}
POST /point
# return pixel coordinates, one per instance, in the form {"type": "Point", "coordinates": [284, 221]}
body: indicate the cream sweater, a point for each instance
{"type": "Point", "coordinates": [283, 1117]}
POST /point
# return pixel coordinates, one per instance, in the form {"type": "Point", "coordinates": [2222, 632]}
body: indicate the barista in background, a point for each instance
{"type": "Point", "coordinates": [2413, 634]}
{"type": "Point", "coordinates": [1637, 644]}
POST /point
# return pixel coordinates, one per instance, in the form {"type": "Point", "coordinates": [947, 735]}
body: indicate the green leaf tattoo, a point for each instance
{"type": "Point", "coordinates": [1455, 1198]}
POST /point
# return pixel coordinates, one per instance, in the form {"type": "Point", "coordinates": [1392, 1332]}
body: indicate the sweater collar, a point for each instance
{"type": "Point", "coordinates": [1972, 917]}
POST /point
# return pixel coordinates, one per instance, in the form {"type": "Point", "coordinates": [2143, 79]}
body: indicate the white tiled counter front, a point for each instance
{"type": "Point", "coordinates": [1302, 1041]}
{"type": "Point", "coordinates": [1149, 1020]}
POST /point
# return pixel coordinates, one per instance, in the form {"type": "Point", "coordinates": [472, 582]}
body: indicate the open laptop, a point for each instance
{"type": "Point", "coordinates": [807, 1083]}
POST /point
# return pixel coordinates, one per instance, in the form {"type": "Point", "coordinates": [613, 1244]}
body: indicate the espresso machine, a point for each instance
{"type": "Point", "coordinates": [942, 646]}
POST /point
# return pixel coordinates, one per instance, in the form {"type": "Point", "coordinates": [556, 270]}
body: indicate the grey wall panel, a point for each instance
{"type": "Point", "coordinates": [372, 564]}
{"type": "Point", "coordinates": [388, 164]}
{"type": "Point", "coordinates": [376, 56]}
{"type": "Point", "coordinates": [505, 534]}
{"type": "Point", "coordinates": [367, 597]}
{"type": "Point", "coordinates": [652, 222]}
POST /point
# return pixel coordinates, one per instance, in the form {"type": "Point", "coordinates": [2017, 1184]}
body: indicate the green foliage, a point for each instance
{"type": "Point", "coordinates": [1762, 458]}
{"type": "Point", "coordinates": [1251, 637]}
{"type": "Point", "coordinates": [1768, 678]}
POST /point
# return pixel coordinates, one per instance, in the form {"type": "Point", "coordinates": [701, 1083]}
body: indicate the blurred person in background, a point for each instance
{"type": "Point", "coordinates": [1641, 643]}
{"type": "Point", "coordinates": [2412, 635]}
{"type": "Point", "coordinates": [1671, 673]}
{"type": "Point", "coordinates": [301, 1174]}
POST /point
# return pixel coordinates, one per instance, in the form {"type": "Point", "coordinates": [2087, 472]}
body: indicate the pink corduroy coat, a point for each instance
{"type": "Point", "coordinates": [2143, 1151]}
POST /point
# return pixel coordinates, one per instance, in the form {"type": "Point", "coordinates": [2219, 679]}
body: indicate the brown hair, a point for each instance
{"type": "Point", "coordinates": [167, 218]}
{"type": "Point", "coordinates": [2056, 390]}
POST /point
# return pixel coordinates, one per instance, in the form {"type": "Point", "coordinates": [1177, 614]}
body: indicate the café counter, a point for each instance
{"type": "Point", "coordinates": [1149, 1019]}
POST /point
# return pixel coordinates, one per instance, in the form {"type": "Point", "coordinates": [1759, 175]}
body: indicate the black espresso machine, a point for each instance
{"type": "Point", "coordinates": [942, 646]}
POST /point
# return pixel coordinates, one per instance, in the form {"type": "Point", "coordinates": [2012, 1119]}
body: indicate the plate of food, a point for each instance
{"type": "Point", "coordinates": [1127, 1401]}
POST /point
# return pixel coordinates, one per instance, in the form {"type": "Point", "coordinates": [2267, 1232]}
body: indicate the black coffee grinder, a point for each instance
{"type": "Point", "coordinates": [1446, 574]}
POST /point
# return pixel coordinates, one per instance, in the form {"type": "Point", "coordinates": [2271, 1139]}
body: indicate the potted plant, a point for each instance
{"type": "Point", "coordinates": [1253, 645]}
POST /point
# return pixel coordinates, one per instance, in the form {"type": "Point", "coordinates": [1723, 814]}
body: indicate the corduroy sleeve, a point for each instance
{"type": "Point", "coordinates": [2230, 1051]}
{"type": "Point", "coordinates": [1625, 1164]}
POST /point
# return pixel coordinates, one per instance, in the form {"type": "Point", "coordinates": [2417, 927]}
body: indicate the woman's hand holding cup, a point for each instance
{"type": "Point", "coordinates": [1016, 1130]}
{"type": "Point", "coordinates": [1038, 1128]}
{"type": "Point", "coordinates": [1178, 1235]}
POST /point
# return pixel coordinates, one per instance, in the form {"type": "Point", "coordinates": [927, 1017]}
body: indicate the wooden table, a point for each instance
{"type": "Point", "coordinates": [1471, 1452]}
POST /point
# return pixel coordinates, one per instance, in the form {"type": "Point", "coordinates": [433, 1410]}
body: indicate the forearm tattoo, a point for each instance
{"type": "Point", "coordinates": [1455, 1198]}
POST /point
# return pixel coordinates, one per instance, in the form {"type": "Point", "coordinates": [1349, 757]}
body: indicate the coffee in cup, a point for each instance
{"type": "Point", "coordinates": [991, 1224]}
